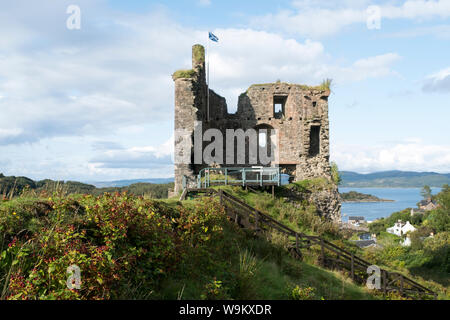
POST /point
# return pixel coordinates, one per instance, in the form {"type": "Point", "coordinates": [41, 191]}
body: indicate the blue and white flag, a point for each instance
{"type": "Point", "coordinates": [213, 37]}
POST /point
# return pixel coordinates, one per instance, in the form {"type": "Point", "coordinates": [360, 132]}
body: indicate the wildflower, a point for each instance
{"type": "Point", "coordinates": [14, 213]}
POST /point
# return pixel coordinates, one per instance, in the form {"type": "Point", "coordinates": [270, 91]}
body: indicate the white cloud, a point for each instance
{"type": "Point", "coordinates": [246, 56]}
{"type": "Point", "coordinates": [85, 88]}
{"type": "Point", "coordinates": [412, 154]}
{"type": "Point", "coordinates": [438, 82]}
{"type": "Point", "coordinates": [316, 19]}
{"type": "Point", "coordinates": [147, 157]}
{"type": "Point", "coordinates": [64, 91]}
{"type": "Point", "coordinates": [372, 67]}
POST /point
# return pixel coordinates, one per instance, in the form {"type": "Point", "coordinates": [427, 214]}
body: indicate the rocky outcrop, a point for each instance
{"type": "Point", "coordinates": [321, 192]}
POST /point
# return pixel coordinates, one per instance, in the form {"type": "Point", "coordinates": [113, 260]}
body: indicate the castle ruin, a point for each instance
{"type": "Point", "coordinates": [299, 113]}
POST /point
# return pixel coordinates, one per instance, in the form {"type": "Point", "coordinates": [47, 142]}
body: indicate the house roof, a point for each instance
{"type": "Point", "coordinates": [364, 243]}
{"type": "Point", "coordinates": [427, 202]}
{"type": "Point", "coordinates": [355, 218]}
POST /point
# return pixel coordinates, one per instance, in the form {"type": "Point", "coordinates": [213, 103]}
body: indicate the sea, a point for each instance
{"type": "Point", "coordinates": [404, 198]}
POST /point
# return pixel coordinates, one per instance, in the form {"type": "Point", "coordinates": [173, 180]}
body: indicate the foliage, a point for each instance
{"type": "Point", "coordinates": [325, 85]}
{"type": "Point", "coordinates": [439, 219]}
{"type": "Point", "coordinates": [118, 241]}
{"type": "Point", "coordinates": [311, 185]}
{"type": "Point", "coordinates": [335, 175]}
{"type": "Point", "coordinates": [149, 190]}
{"type": "Point", "coordinates": [214, 291]}
{"type": "Point", "coordinates": [426, 192]}
{"type": "Point", "coordinates": [179, 74]}
{"type": "Point", "coordinates": [428, 256]}
{"type": "Point", "coordinates": [12, 186]}
{"type": "Point", "coordinates": [299, 293]}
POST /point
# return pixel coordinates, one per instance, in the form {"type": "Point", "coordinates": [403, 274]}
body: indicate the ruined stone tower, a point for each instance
{"type": "Point", "coordinates": [298, 113]}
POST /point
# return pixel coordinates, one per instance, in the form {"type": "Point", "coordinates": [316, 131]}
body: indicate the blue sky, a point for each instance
{"type": "Point", "coordinates": [97, 103]}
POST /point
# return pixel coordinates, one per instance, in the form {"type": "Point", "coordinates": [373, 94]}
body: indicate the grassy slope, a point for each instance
{"type": "Point", "coordinates": [213, 258]}
{"type": "Point", "coordinates": [275, 274]}
{"type": "Point", "coordinates": [303, 219]}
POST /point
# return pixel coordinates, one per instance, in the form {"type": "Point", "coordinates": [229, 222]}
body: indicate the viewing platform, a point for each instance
{"type": "Point", "coordinates": [250, 176]}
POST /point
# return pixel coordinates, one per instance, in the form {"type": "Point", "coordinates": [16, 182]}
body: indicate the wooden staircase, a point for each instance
{"type": "Point", "coordinates": [331, 256]}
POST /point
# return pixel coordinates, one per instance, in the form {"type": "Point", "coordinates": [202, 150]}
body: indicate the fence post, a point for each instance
{"type": "Point", "coordinates": [401, 284]}
{"type": "Point", "coordinates": [322, 251]}
{"type": "Point", "coordinates": [384, 282]}
{"type": "Point", "coordinates": [353, 267]}
{"type": "Point", "coordinates": [226, 176]}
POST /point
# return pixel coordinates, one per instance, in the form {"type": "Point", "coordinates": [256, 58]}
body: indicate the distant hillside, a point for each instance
{"type": "Point", "coordinates": [124, 183]}
{"type": "Point", "coordinates": [14, 186]}
{"type": "Point", "coordinates": [394, 179]}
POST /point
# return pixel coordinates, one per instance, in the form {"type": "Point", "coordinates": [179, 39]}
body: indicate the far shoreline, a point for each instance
{"type": "Point", "coordinates": [367, 201]}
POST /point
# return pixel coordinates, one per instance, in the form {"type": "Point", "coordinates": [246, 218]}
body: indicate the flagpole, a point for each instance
{"type": "Point", "coordinates": [207, 80]}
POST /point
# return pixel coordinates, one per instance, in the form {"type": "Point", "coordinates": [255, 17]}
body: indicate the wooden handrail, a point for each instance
{"type": "Point", "coordinates": [388, 278]}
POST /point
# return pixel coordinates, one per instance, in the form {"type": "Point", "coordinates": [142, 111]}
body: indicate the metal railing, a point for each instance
{"type": "Point", "coordinates": [251, 176]}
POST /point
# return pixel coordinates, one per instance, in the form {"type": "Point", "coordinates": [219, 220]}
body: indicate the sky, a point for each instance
{"type": "Point", "coordinates": [97, 103]}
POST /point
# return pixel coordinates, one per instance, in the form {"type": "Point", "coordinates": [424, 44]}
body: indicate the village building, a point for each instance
{"type": "Point", "coordinates": [427, 205]}
{"type": "Point", "coordinates": [400, 228]}
{"type": "Point", "coordinates": [356, 221]}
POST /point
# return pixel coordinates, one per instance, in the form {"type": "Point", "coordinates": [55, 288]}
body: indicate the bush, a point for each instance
{"type": "Point", "coordinates": [118, 242]}
{"type": "Point", "coordinates": [307, 293]}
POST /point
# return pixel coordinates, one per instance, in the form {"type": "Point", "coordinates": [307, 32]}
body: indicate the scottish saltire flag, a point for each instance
{"type": "Point", "coordinates": [213, 37]}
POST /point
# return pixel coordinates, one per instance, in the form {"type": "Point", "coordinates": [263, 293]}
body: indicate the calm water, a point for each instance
{"type": "Point", "coordinates": [404, 198]}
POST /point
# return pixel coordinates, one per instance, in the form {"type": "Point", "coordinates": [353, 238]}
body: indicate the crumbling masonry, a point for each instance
{"type": "Point", "coordinates": [299, 113]}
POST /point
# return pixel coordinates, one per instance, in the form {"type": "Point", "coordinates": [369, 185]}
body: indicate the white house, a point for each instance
{"type": "Point", "coordinates": [400, 228]}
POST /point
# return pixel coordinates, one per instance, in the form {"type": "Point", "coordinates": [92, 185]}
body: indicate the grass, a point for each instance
{"type": "Point", "coordinates": [262, 270]}
{"type": "Point", "coordinates": [301, 216]}
{"type": "Point", "coordinates": [184, 74]}
{"type": "Point", "coordinates": [324, 86]}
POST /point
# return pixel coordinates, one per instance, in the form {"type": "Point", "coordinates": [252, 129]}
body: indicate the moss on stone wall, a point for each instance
{"type": "Point", "coordinates": [312, 185]}
{"type": "Point", "coordinates": [188, 74]}
{"type": "Point", "coordinates": [324, 86]}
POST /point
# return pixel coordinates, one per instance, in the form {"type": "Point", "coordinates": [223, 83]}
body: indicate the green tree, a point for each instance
{"type": "Point", "coordinates": [426, 192]}
{"type": "Point", "coordinates": [335, 175]}
{"type": "Point", "coordinates": [439, 219]}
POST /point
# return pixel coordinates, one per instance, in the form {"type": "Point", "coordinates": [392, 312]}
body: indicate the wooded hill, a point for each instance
{"type": "Point", "coordinates": [14, 186]}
